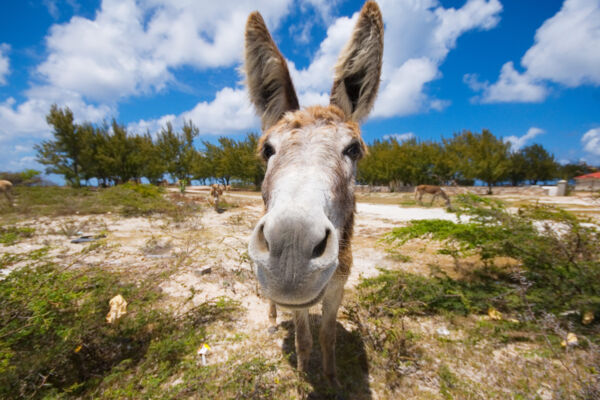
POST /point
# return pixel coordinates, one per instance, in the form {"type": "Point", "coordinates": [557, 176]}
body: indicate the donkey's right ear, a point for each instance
{"type": "Point", "coordinates": [267, 76]}
{"type": "Point", "coordinates": [358, 70]}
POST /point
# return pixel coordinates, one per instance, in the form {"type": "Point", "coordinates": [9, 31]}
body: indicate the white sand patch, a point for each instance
{"type": "Point", "coordinates": [368, 211]}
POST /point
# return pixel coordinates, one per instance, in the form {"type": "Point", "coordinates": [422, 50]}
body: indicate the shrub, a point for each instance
{"type": "Point", "coordinates": [128, 199]}
{"type": "Point", "coordinates": [54, 338]}
{"type": "Point", "coordinates": [12, 234]}
{"type": "Point", "coordinates": [558, 253]}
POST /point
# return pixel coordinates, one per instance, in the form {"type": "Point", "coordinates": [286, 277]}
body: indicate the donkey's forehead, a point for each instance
{"type": "Point", "coordinates": [331, 119]}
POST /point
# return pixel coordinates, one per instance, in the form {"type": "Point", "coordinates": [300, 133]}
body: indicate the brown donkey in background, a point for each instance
{"type": "Point", "coordinates": [433, 190]}
{"type": "Point", "coordinates": [6, 188]}
{"type": "Point", "coordinates": [301, 246]}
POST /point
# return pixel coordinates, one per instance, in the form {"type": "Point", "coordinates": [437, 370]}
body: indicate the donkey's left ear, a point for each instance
{"type": "Point", "coordinates": [358, 70]}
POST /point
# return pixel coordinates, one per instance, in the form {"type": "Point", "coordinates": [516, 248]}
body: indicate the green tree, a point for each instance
{"type": "Point", "coordinates": [541, 165]}
{"type": "Point", "coordinates": [571, 170]}
{"type": "Point", "coordinates": [62, 155]}
{"type": "Point", "coordinates": [178, 151]}
{"type": "Point", "coordinates": [517, 171]}
{"type": "Point", "coordinates": [153, 164]}
{"type": "Point", "coordinates": [480, 156]}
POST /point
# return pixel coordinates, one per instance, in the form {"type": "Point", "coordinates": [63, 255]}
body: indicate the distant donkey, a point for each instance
{"type": "Point", "coordinates": [301, 246]}
{"type": "Point", "coordinates": [6, 189]}
{"type": "Point", "coordinates": [433, 190]}
{"type": "Point", "coordinates": [216, 191]}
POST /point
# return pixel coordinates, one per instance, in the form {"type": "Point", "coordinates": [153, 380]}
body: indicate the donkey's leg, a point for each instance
{"type": "Point", "coordinates": [331, 303]}
{"type": "Point", "coordinates": [272, 313]}
{"type": "Point", "coordinates": [303, 339]}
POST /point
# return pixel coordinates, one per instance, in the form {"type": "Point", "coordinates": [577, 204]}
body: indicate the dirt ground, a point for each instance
{"type": "Point", "coordinates": [206, 257]}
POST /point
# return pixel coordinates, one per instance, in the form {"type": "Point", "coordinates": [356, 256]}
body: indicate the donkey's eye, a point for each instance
{"type": "Point", "coordinates": [267, 151]}
{"type": "Point", "coordinates": [353, 150]}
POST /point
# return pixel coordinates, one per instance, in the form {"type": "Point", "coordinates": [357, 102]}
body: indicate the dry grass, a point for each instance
{"type": "Point", "coordinates": [382, 353]}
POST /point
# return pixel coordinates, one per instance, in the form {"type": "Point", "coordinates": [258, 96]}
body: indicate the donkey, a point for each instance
{"type": "Point", "coordinates": [301, 246]}
{"type": "Point", "coordinates": [6, 188]}
{"type": "Point", "coordinates": [216, 191]}
{"type": "Point", "coordinates": [433, 190]}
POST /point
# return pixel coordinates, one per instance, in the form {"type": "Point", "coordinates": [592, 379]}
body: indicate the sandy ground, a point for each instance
{"type": "Point", "coordinates": [206, 255]}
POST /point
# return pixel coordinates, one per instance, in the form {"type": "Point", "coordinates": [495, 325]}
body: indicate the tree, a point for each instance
{"type": "Point", "coordinates": [153, 164]}
{"type": "Point", "coordinates": [480, 156]}
{"type": "Point", "coordinates": [541, 165]}
{"type": "Point", "coordinates": [179, 154]}
{"type": "Point", "coordinates": [517, 170]}
{"type": "Point", "coordinates": [571, 170]}
{"type": "Point", "coordinates": [62, 155]}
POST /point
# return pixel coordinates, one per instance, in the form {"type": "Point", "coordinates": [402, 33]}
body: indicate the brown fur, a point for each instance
{"type": "Point", "coordinates": [216, 191]}
{"type": "Point", "coordinates": [356, 81]}
{"type": "Point", "coordinates": [6, 189]}
{"type": "Point", "coordinates": [432, 190]}
{"type": "Point", "coordinates": [359, 66]}
{"type": "Point", "coordinates": [268, 78]}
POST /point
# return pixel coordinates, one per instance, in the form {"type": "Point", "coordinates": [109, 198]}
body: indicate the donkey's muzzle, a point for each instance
{"type": "Point", "coordinates": [295, 256]}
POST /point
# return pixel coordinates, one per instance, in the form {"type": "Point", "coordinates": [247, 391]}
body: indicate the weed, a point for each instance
{"type": "Point", "coordinates": [560, 261]}
{"type": "Point", "coordinates": [128, 199]}
{"type": "Point", "coordinates": [54, 339]}
{"type": "Point", "coordinates": [13, 234]}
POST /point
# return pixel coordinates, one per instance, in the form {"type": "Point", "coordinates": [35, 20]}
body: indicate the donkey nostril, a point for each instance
{"type": "Point", "coordinates": [320, 248]}
{"type": "Point", "coordinates": [262, 240]}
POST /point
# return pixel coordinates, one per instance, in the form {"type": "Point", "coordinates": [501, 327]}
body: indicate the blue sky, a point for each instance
{"type": "Point", "coordinates": [527, 70]}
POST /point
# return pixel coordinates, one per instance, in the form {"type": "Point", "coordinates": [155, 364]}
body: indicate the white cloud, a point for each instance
{"type": "Point", "coordinates": [402, 92]}
{"type": "Point", "coordinates": [4, 63]}
{"type": "Point", "coordinates": [132, 48]}
{"type": "Point", "coordinates": [400, 137]}
{"type": "Point", "coordinates": [229, 112]}
{"type": "Point", "coordinates": [567, 46]}
{"type": "Point", "coordinates": [28, 119]}
{"type": "Point", "coordinates": [129, 48]}
{"type": "Point", "coordinates": [418, 37]}
{"type": "Point", "coordinates": [324, 8]}
{"type": "Point", "coordinates": [318, 76]}
{"type": "Point", "coordinates": [519, 142]}
{"type": "Point", "coordinates": [566, 52]}
{"type": "Point", "coordinates": [591, 141]}
{"type": "Point", "coordinates": [511, 86]}
{"type": "Point", "coordinates": [428, 33]}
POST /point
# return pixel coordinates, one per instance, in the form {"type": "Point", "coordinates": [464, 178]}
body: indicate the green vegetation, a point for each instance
{"type": "Point", "coordinates": [27, 177]}
{"type": "Point", "coordinates": [537, 272]}
{"type": "Point", "coordinates": [465, 157]}
{"type": "Point", "coordinates": [12, 234]}
{"type": "Point", "coordinates": [55, 341]}
{"type": "Point", "coordinates": [558, 260]}
{"type": "Point", "coordinates": [112, 155]}
{"type": "Point", "coordinates": [128, 199]}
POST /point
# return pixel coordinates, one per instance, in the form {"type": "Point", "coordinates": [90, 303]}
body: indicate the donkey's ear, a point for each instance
{"type": "Point", "coordinates": [358, 69]}
{"type": "Point", "coordinates": [269, 83]}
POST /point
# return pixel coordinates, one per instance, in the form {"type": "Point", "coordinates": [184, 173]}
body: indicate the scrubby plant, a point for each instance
{"type": "Point", "coordinates": [128, 199]}
{"type": "Point", "coordinates": [557, 253]}
{"type": "Point", "coordinates": [13, 234]}
{"type": "Point", "coordinates": [55, 340]}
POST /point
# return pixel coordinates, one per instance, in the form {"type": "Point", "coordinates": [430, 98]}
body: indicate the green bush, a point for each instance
{"type": "Point", "coordinates": [55, 341]}
{"type": "Point", "coordinates": [12, 234]}
{"type": "Point", "coordinates": [557, 253]}
{"type": "Point", "coordinates": [127, 199]}
{"type": "Point", "coordinates": [400, 293]}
